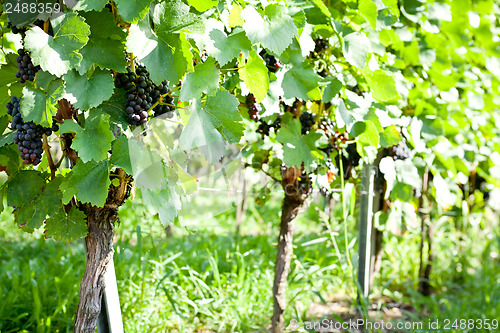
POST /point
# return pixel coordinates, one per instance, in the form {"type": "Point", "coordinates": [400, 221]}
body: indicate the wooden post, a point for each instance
{"type": "Point", "coordinates": [365, 230]}
{"type": "Point", "coordinates": [110, 317]}
{"type": "Point", "coordinates": [110, 307]}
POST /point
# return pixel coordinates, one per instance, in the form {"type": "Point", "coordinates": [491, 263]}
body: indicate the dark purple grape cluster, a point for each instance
{"type": "Point", "coordinates": [253, 107]}
{"type": "Point", "coordinates": [29, 136]}
{"type": "Point", "coordinates": [272, 63]}
{"type": "Point", "coordinates": [265, 128]}
{"type": "Point", "coordinates": [166, 107]}
{"type": "Point", "coordinates": [353, 156]}
{"type": "Point", "coordinates": [320, 44]}
{"type": "Point", "coordinates": [16, 30]}
{"type": "Point", "coordinates": [142, 94]}
{"type": "Point", "coordinates": [27, 70]}
{"type": "Point", "coordinates": [400, 151]}
{"type": "Point", "coordinates": [307, 121]}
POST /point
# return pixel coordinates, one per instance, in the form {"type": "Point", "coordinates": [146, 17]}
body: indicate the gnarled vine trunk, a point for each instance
{"type": "Point", "coordinates": [99, 253]}
{"type": "Point", "coordinates": [99, 242]}
{"type": "Point", "coordinates": [292, 202]}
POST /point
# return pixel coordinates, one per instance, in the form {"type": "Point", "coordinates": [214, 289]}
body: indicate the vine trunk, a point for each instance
{"type": "Point", "coordinates": [99, 243]}
{"type": "Point", "coordinates": [290, 209]}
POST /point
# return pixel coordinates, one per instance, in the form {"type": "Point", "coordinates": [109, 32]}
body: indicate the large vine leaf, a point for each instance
{"type": "Point", "coordinates": [23, 187]}
{"type": "Point", "coordinates": [301, 81]}
{"type": "Point", "coordinates": [383, 86]}
{"type": "Point", "coordinates": [94, 140]}
{"type": "Point", "coordinates": [46, 203]}
{"type": "Point", "coordinates": [132, 10]}
{"type": "Point", "coordinates": [120, 156]}
{"type": "Point", "coordinates": [9, 158]}
{"type": "Point", "coordinates": [255, 75]}
{"type": "Point", "coordinates": [88, 5]}
{"type": "Point", "coordinates": [88, 181]}
{"type": "Point", "coordinates": [274, 30]}
{"type": "Point", "coordinates": [201, 133]}
{"type": "Point", "coordinates": [203, 5]}
{"type": "Point", "coordinates": [171, 17]}
{"type": "Point", "coordinates": [297, 149]}
{"type": "Point", "coordinates": [90, 89]}
{"type": "Point", "coordinates": [356, 48]}
{"type": "Point", "coordinates": [58, 54]}
{"type": "Point", "coordinates": [39, 105]}
{"type": "Point", "coordinates": [166, 57]}
{"type": "Point", "coordinates": [225, 48]}
{"type": "Point", "coordinates": [204, 79]}
{"type": "Point", "coordinates": [223, 109]}
{"type": "Point", "coordinates": [165, 202]}
{"type": "Point", "coordinates": [106, 45]}
{"type": "Point", "coordinates": [68, 227]}
{"type": "Point", "coordinates": [115, 107]}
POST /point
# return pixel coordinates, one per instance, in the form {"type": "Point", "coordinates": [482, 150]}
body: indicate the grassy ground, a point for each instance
{"type": "Point", "coordinates": [206, 279]}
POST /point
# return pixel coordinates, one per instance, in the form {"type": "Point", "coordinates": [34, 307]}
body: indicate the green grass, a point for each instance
{"type": "Point", "coordinates": [205, 279]}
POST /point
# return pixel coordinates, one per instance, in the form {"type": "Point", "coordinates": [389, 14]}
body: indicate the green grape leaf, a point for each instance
{"type": "Point", "coordinates": [67, 228]}
{"type": "Point", "coordinates": [356, 48]}
{"type": "Point", "coordinates": [223, 109]}
{"type": "Point", "coordinates": [170, 17]}
{"type": "Point", "coordinates": [368, 9]}
{"type": "Point", "coordinates": [203, 5]}
{"type": "Point", "coordinates": [40, 106]}
{"type": "Point", "coordinates": [235, 15]}
{"type": "Point", "coordinates": [94, 141]}
{"type": "Point", "coordinates": [187, 183]}
{"type": "Point", "coordinates": [297, 149]}
{"type": "Point", "coordinates": [204, 79]}
{"type": "Point", "coordinates": [90, 89]}
{"type": "Point", "coordinates": [132, 10]}
{"type": "Point", "coordinates": [88, 181]}
{"type": "Point", "coordinates": [255, 75]}
{"type": "Point", "coordinates": [43, 79]}
{"type": "Point", "coordinates": [21, 16]}
{"type": "Point", "coordinates": [120, 156]}
{"type": "Point", "coordinates": [383, 86]}
{"type": "Point", "coordinates": [23, 187]}
{"type": "Point", "coordinates": [164, 202]}
{"type": "Point", "coordinates": [390, 137]}
{"type": "Point", "coordinates": [331, 90]}
{"type": "Point", "coordinates": [46, 203]}
{"type": "Point", "coordinates": [165, 58]}
{"type": "Point", "coordinates": [366, 135]}
{"type": "Point", "coordinates": [225, 48]}
{"type": "Point", "coordinates": [201, 133]}
{"type": "Point", "coordinates": [58, 54]}
{"type": "Point", "coordinates": [274, 31]}
{"type": "Point", "coordinates": [6, 139]}
{"type": "Point", "coordinates": [147, 165]}
{"type": "Point", "coordinates": [401, 191]}
{"type": "Point", "coordinates": [9, 157]}
{"type": "Point", "coordinates": [106, 46]}
{"type": "Point", "coordinates": [115, 107]}
{"type": "Point", "coordinates": [301, 81]}
{"type": "Point", "coordinates": [88, 5]}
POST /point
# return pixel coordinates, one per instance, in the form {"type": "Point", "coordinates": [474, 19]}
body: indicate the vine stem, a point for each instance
{"type": "Point", "coordinates": [46, 149]}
